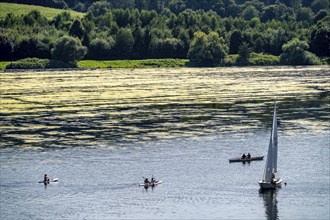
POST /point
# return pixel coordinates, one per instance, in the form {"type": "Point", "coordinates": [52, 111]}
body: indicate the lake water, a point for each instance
{"type": "Point", "coordinates": [101, 131]}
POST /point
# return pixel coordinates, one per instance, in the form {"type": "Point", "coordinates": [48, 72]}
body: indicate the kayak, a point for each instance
{"type": "Point", "coordinates": [55, 180]}
{"type": "Point", "coordinates": [151, 184]}
{"type": "Point", "coordinates": [239, 159]}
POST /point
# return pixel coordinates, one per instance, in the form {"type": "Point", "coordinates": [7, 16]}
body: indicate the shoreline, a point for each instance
{"type": "Point", "coordinates": [144, 64]}
{"type": "Point", "coordinates": [278, 67]}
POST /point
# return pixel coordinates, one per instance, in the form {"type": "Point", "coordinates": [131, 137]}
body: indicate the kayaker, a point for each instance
{"type": "Point", "coordinates": [46, 179]}
{"type": "Point", "coordinates": [243, 156]}
{"type": "Point", "coordinates": [146, 181]}
{"type": "Point", "coordinates": [248, 156]}
{"type": "Point", "coordinates": [153, 180]}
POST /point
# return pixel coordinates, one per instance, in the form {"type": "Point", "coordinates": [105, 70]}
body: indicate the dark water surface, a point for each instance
{"type": "Point", "coordinates": [99, 132]}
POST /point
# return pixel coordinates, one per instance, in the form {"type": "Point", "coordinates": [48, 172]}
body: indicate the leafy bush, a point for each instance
{"type": "Point", "coordinates": [56, 64]}
{"type": "Point", "coordinates": [28, 63]}
{"type": "Point", "coordinates": [264, 60]}
{"type": "Point", "coordinates": [35, 63]}
{"type": "Point", "coordinates": [256, 59]}
{"type": "Point", "coordinates": [230, 59]}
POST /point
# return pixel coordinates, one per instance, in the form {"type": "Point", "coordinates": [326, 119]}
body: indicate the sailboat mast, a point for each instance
{"type": "Point", "coordinates": [274, 135]}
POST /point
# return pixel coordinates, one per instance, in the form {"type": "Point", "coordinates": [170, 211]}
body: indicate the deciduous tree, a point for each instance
{"type": "Point", "coordinates": [244, 53]}
{"type": "Point", "coordinates": [69, 50]}
{"type": "Point", "coordinates": [124, 43]}
{"type": "Point", "coordinates": [295, 53]}
{"type": "Point", "coordinates": [320, 38]}
{"type": "Point", "coordinates": [77, 29]}
{"type": "Point", "coordinates": [6, 47]}
{"type": "Point", "coordinates": [207, 50]}
{"type": "Point", "coordinates": [100, 49]}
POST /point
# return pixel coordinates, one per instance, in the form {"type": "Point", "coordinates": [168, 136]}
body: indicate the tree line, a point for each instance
{"type": "Point", "coordinates": [134, 30]}
{"type": "Point", "coordinates": [224, 8]}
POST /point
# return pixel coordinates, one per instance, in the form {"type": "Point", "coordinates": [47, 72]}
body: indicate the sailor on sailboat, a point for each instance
{"type": "Point", "coordinates": [270, 180]}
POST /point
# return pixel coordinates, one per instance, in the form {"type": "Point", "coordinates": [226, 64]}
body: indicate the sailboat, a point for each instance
{"type": "Point", "coordinates": [270, 179]}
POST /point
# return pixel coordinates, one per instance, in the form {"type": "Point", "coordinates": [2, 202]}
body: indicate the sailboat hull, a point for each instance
{"type": "Point", "coordinates": [270, 185]}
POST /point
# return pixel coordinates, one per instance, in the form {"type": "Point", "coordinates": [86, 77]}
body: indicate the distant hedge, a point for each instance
{"type": "Point", "coordinates": [264, 60]}
{"type": "Point", "coordinates": [36, 63]}
{"type": "Point", "coordinates": [256, 59]}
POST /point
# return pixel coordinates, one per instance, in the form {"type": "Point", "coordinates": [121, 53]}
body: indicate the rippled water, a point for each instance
{"type": "Point", "coordinates": [100, 131]}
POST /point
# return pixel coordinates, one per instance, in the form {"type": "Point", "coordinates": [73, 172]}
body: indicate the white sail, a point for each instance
{"type": "Point", "coordinates": [268, 179]}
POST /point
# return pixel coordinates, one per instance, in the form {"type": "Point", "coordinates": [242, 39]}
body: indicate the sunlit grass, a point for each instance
{"type": "Point", "coordinates": [21, 9]}
{"type": "Point", "coordinates": [132, 63]}
{"type": "Point", "coordinates": [264, 59]}
{"type": "Point", "coordinates": [3, 64]}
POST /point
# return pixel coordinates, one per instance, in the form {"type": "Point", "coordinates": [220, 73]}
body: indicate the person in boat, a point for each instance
{"type": "Point", "coordinates": [248, 156]}
{"type": "Point", "coordinates": [153, 180]}
{"type": "Point", "coordinates": [243, 156]}
{"type": "Point", "coordinates": [273, 181]}
{"type": "Point", "coordinates": [146, 181]}
{"type": "Point", "coordinates": [46, 179]}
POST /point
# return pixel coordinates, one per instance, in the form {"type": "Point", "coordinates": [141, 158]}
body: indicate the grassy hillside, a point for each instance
{"type": "Point", "coordinates": [19, 9]}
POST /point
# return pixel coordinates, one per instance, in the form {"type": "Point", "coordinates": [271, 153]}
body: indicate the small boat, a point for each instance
{"type": "Point", "coordinates": [270, 179]}
{"type": "Point", "coordinates": [54, 180]}
{"type": "Point", "coordinates": [153, 184]}
{"type": "Point", "coordinates": [239, 159]}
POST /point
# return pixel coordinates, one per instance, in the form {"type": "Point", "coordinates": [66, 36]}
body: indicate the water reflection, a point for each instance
{"type": "Point", "coordinates": [147, 188]}
{"type": "Point", "coordinates": [270, 203]}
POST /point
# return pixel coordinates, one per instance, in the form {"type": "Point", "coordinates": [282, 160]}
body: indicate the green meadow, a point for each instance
{"type": "Point", "coordinates": [21, 9]}
{"type": "Point", "coordinates": [133, 63]}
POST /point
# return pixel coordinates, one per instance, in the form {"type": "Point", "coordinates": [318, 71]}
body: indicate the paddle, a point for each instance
{"type": "Point", "coordinates": [50, 180]}
{"type": "Point", "coordinates": [46, 182]}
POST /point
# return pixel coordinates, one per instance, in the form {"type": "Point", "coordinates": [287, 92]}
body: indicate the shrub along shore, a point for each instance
{"type": "Point", "coordinates": [231, 60]}
{"type": "Point", "coordinates": [35, 63]}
